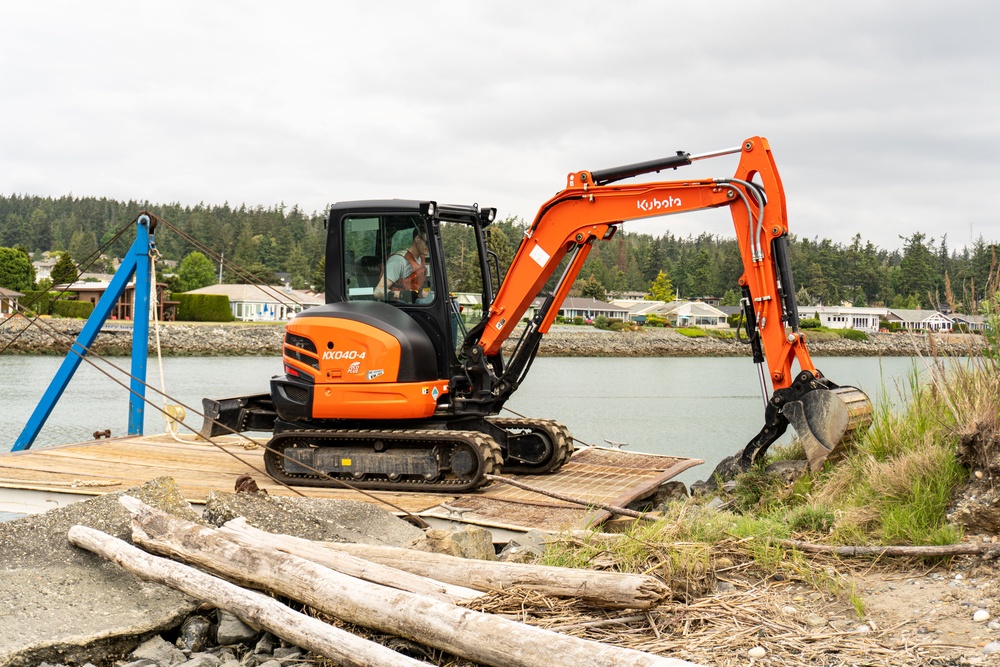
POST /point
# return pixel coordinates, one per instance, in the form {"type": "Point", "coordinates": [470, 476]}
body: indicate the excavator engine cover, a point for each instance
{"type": "Point", "coordinates": [828, 420]}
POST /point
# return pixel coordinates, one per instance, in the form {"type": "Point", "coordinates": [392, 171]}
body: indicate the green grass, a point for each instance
{"type": "Point", "coordinates": [893, 487]}
{"type": "Point", "coordinates": [691, 332]}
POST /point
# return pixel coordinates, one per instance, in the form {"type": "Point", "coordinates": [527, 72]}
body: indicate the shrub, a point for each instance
{"type": "Point", "coordinates": [602, 322]}
{"type": "Point", "coordinates": [734, 320]}
{"type": "Point", "coordinates": [852, 334]}
{"type": "Point", "coordinates": [618, 325]}
{"type": "Point", "coordinates": [204, 308]}
{"type": "Point", "coordinates": [692, 332]}
{"type": "Point", "coordinates": [81, 309]}
{"type": "Point", "coordinates": [724, 334]}
{"type": "Point", "coordinates": [579, 321]}
{"type": "Point", "coordinates": [809, 323]}
{"type": "Point", "coordinates": [655, 321]}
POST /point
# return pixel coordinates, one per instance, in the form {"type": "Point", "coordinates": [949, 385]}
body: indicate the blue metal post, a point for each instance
{"type": "Point", "coordinates": [137, 254]}
{"type": "Point", "coordinates": [140, 334]}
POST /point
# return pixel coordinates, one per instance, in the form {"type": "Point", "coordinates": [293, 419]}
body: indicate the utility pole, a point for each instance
{"type": "Point", "coordinates": [222, 259]}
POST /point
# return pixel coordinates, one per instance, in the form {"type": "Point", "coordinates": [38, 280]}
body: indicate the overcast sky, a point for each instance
{"type": "Point", "coordinates": [884, 117]}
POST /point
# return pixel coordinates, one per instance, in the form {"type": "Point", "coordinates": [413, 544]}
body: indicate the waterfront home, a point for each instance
{"type": "Point", "coordinates": [638, 309]}
{"type": "Point", "coordinates": [692, 314]}
{"type": "Point", "coordinates": [589, 308]}
{"type": "Point", "coordinates": [845, 317]}
{"type": "Point", "coordinates": [919, 320]}
{"type": "Point", "coordinates": [968, 322]}
{"type": "Point", "coordinates": [263, 303]}
{"type": "Point", "coordinates": [8, 301]}
{"type": "Point", "coordinates": [91, 292]}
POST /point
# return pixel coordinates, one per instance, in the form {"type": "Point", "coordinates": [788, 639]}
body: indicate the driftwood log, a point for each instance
{"type": "Point", "coordinates": [351, 565]}
{"type": "Point", "coordinates": [254, 608]}
{"type": "Point", "coordinates": [905, 551]}
{"type": "Point", "coordinates": [610, 590]}
{"type": "Point", "coordinates": [480, 637]}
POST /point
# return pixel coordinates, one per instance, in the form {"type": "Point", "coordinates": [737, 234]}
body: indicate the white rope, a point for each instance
{"type": "Point", "coordinates": [172, 414]}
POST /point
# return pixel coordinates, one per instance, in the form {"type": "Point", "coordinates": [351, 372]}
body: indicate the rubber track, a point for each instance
{"type": "Point", "coordinates": [562, 443]}
{"type": "Point", "coordinates": [489, 454]}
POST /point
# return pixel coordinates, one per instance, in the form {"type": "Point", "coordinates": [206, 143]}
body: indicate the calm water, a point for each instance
{"type": "Point", "coordinates": [702, 408]}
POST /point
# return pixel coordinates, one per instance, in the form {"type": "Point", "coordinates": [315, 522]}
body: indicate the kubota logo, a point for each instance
{"type": "Point", "coordinates": [655, 204]}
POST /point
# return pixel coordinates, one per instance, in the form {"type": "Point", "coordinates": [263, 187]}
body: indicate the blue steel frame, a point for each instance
{"type": "Point", "coordinates": [136, 262]}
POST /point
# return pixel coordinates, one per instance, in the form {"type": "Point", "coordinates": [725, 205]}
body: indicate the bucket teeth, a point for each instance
{"type": "Point", "coordinates": [828, 420]}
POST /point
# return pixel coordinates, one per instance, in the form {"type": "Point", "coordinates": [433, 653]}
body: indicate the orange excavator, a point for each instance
{"type": "Point", "coordinates": [384, 387]}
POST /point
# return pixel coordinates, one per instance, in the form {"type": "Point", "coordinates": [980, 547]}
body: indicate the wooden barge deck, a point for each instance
{"type": "Point", "coordinates": [39, 479]}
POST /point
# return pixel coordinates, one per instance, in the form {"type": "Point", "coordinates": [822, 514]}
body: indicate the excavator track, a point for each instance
{"type": "Point", "coordinates": [386, 460]}
{"type": "Point", "coordinates": [535, 446]}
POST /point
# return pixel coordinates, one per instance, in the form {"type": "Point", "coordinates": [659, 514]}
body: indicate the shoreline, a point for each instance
{"type": "Point", "coordinates": [246, 339]}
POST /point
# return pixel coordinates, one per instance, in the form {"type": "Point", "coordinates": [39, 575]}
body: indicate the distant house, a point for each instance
{"type": "Point", "coordinates": [8, 301]}
{"type": "Point", "coordinates": [92, 292]}
{"type": "Point", "coordinates": [589, 308]}
{"type": "Point", "coordinates": [919, 320]}
{"type": "Point", "coordinates": [692, 314]}
{"type": "Point", "coordinates": [253, 303]}
{"type": "Point", "coordinates": [845, 317]}
{"type": "Point", "coordinates": [638, 309]}
{"type": "Point", "coordinates": [969, 322]}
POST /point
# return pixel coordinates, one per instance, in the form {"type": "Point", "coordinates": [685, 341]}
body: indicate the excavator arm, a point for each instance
{"type": "Point", "coordinates": [591, 208]}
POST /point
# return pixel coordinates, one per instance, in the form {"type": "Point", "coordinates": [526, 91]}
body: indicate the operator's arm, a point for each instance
{"type": "Point", "coordinates": [387, 287]}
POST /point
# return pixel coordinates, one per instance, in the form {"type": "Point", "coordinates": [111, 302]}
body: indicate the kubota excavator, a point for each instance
{"type": "Point", "coordinates": [384, 388]}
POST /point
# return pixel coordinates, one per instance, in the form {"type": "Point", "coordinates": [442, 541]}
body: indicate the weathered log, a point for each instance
{"type": "Point", "coordinates": [609, 590]}
{"type": "Point", "coordinates": [904, 551]}
{"type": "Point", "coordinates": [256, 609]}
{"type": "Point", "coordinates": [480, 637]}
{"type": "Point", "coordinates": [351, 565]}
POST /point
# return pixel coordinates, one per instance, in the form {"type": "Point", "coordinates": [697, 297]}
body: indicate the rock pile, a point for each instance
{"type": "Point", "coordinates": [54, 336]}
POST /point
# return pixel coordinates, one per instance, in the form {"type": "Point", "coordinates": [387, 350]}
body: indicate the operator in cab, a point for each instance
{"type": "Point", "coordinates": [405, 277]}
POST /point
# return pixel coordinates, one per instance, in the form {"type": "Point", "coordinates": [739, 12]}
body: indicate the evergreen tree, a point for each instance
{"type": "Point", "coordinates": [593, 289]}
{"type": "Point", "coordinates": [661, 289]}
{"type": "Point", "coordinates": [732, 298]}
{"type": "Point", "coordinates": [916, 270]}
{"type": "Point", "coordinates": [83, 244]}
{"type": "Point", "coordinates": [297, 267]}
{"type": "Point", "coordinates": [319, 275]}
{"type": "Point", "coordinates": [64, 272]}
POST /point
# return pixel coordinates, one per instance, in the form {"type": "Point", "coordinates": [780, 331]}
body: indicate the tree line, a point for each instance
{"type": "Point", "coordinates": [263, 242]}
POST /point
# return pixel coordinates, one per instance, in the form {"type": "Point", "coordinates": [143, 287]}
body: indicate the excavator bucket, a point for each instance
{"type": "Point", "coordinates": [827, 421]}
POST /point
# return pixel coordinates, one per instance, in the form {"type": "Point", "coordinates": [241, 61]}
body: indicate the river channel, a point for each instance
{"type": "Point", "coordinates": [705, 408]}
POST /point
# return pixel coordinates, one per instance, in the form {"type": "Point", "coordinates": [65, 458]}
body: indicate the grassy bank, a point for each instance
{"type": "Point", "coordinates": [897, 485]}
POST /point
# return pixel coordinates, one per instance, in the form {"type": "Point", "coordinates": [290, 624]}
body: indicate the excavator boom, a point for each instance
{"type": "Point", "coordinates": [591, 208]}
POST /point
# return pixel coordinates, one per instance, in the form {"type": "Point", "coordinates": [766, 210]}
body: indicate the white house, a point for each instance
{"type": "Point", "coordinates": [589, 308]}
{"type": "Point", "coordinates": [920, 320]}
{"type": "Point", "coordinates": [253, 303]}
{"type": "Point", "coordinates": [844, 317]}
{"type": "Point", "coordinates": [638, 309]}
{"type": "Point", "coordinates": [692, 314]}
